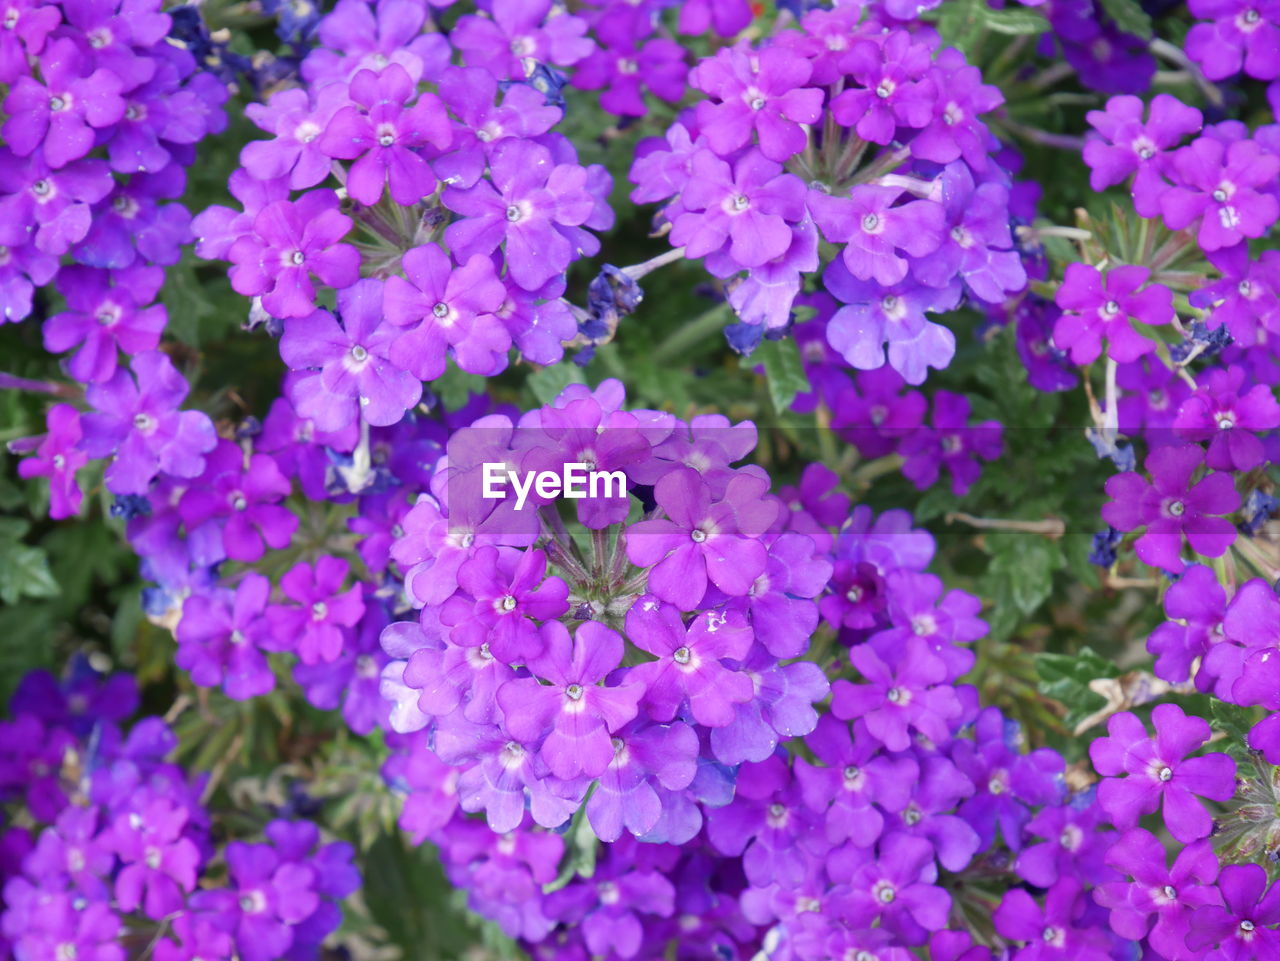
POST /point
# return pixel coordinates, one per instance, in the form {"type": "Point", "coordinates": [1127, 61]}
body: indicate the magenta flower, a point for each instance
{"type": "Point", "coordinates": [61, 114]}
{"type": "Point", "coordinates": [701, 540]}
{"type": "Point", "coordinates": [580, 713]}
{"type": "Point", "coordinates": [877, 234]}
{"type": "Point", "coordinates": [222, 638]}
{"type": "Point", "coordinates": [51, 206]}
{"type": "Point", "coordinates": [1171, 506]}
{"type": "Point", "coordinates": [445, 307]}
{"type": "Point", "coordinates": [1243, 35]}
{"type": "Point", "coordinates": [1230, 418]}
{"type": "Point", "coordinates": [138, 420]}
{"type": "Point", "coordinates": [1245, 925]}
{"type": "Point", "coordinates": [760, 92]}
{"type": "Point", "coordinates": [356, 377]}
{"type": "Point", "coordinates": [506, 593]}
{"type": "Point", "coordinates": [1223, 188]}
{"type": "Point", "coordinates": [1159, 900]}
{"type": "Point", "coordinates": [751, 205]}
{"type": "Point", "coordinates": [318, 625]}
{"type": "Point", "coordinates": [905, 691]}
{"type": "Point", "coordinates": [159, 862]}
{"type": "Point", "coordinates": [950, 442]}
{"type": "Point", "coordinates": [58, 456]}
{"type": "Point", "coordinates": [1127, 145]}
{"type": "Point", "coordinates": [290, 241]}
{"type": "Point", "coordinates": [898, 889]}
{"type": "Point", "coordinates": [386, 137]}
{"type": "Point", "coordinates": [690, 666]}
{"type": "Point", "coordinates": [106, 311]}
{"type": "Point", "coordinates": [1195, 605]}
{"type": "Point", "coordinates": [238, 498]}
{"type": "Point", "coordinates": [28, 24]}
{"type": "Point", "coordinates": [530, 197]}
{"type": "Point", "coordinates": [893, 88]}
{"type": "Point", "coordinates": [296, 150]}
{"type": "Point", "coordinates": [1095, 308]}
{"type": "Point", "coordinates": [1143, 772]}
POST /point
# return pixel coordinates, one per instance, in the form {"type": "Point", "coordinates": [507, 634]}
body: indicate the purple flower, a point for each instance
{"type": "Point", "coordinates": [759, 92]}
{"type": "Point", "coordinates": [1195, 605]}
{"type": "Point", "coordinates": [105, 311]}
{"type": "Point", "coordinates": [1171, 506]}
{"type": "Point", "coordinates": [357, 35]}
{"type": "Point", "coordinates": [954, 130]}
{"type": "Point", "coordinates": [898, 889]}
{"type": "Point", "coordinates": [50, 206]}
{"type": "Point", "coordinates": [136, 419]}
{"type": "Point", "coordinates": [530, 199]}
{"type": "Point", "coordinates": [646, 757]}
{"type": "Point", "coordinates": [690, 668]}
{"type": "Point", "coordinates": [1157, 771]}
{"type": "Point", "coordinates": [1244, 926]}
{"type": "Point", "coordinates": [893, 88]}
{"type": "Point", "coordinates": [296, 150]}
{"type": "Point", "coordinates": [520, 30]}
{"type": "Point", "coordinates": [1165, 895]}
{"type": "Point", "coordinates": [289, 241]}
{"type": "Point", "coordinates": [61, 113]}
{"type": "Point", "coordinates": [1243, 35]}
{"type": "Point", "coordinates": [506, 592]}
{"type": "Point", "coordinates": [609, 905]}
{"type": "Point", "coordinates": [88, 933]}
{"type": "Point", "coordinates": [316, 628]}
{"type": "Point", "coordinates": [702, 540]}
{"type": "Point", "coordinates": [58, 457]}
{"type": "Point", "coordinates": [875, 233]}
{"type": "Point", "coordinates": [904, 692]}
{"type": "Point", "coordinates": [751, 205]}
{"type": "Point", "coordinates": [386, 137]}
{"type": "Point", "coordinates": [952, 443]}
{"type": "Point", "coordinates": [726, 17]}
{"type": "Point", "coordinates": [623, 66]}
{"type": "Point", "coordinates": [1224, 189]}
{"type": "Point", "coordinates": [581, 714]}
{"type": "Point", "coordinates": [357, 379]}
{"type": "Point", "coordinates": [28, 24]}
{"type": "Point", "coordinates": [1054, 932]}
{"type": "Point", "coordinates": [159, 862]}
{"type": "Point", "coordinates": [1096, 308]}
{"type": "Point", "coordinates": [447, 308]}
{"type": "Point", "coordinates": [222, 637]}
{"type": "Point", "coordinates": [354, 680]}
{"type": "Point", "coordinates": [1245, 299]}
{"type": "Point", "coordinates": [1074, 844]}
{"type": "Point", "coordinates": [876, 316]}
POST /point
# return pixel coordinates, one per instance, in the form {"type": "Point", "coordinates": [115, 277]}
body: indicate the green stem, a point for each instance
{"type": "Point", "coordinates": [705, 324]}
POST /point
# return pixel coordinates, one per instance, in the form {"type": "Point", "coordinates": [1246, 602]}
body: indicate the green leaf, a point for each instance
{"type": "Point", "coordinates": [547, 383]}
{"type": "Point", "coordinates": [1013, 21]}
{"type": "Point", "coordinates": [1022, 566]}
{"type": "Point", "coordinates": [783, 370]}
{"type": "Point", "coordinates": [24, 570]}
{"type": "Point", "coordinates": [1233, 721]}
{"type": "Point", "coordinates": [958, 21]}
{"type": "Point", "coordinates": [1129, 17]}
{"type": "Point", "coordinates": [456, 386]}
{"type": "Point", "coordinates": [1065, 678]}
{"type": "Point", "coordinates": [187, 303]}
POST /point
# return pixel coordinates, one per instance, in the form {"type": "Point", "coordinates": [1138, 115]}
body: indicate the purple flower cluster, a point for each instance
{"type": "Point", "coordinates": [117, 844]}
{"type": "Point", "coordinates": [444, 186]}
{"type": "Point", "coordinates": [864, 133]}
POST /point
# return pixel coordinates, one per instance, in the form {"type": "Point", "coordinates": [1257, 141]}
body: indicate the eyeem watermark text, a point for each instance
{"type": "Point", "coordinates": [574, 481]}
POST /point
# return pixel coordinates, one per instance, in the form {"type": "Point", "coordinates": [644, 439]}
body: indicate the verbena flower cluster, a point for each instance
{"type": "Point", "coordinates": [699, 711]}
{"type": "Point", "coordinates": [115, 847]}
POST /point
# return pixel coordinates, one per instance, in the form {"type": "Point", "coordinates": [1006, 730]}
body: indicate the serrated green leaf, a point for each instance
{"type": "Point", "coordinates": [24, 572]}
{"type": "Point", "coordinates": [1233, 721]}
{"type": "Point", "coordinates": [1129, 17]}
{"type": "Point", "coordinates": [548, 382]}
{"type": "Point", "coordinates": [1022, 567]}
{"type": "Point", "coordinates": [1065, 678]}
{"type": "Point", "coordinates": [783, 371]}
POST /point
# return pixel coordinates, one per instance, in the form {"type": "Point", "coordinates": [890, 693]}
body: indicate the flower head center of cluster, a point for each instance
{"type": "Point", "coordinates": [144, 422]}
{"type": "Point", "coordinates": [1250, 17]}
{"type": "Point", "coordinates": [135, 112]}
{"type": "Point", "coordinates": [741, 202]}
{"type": "Point", "coordinates": [961, 236]}
{"type": "Point", "coordinates": [59, 461]}
{"type": "Point", "coordinates": [506, 604]}
{"type": "Point", "coordinates": [682, 655]}
{"type": "Point", "coordinates": [884, 892]}
{"type": "Point", "coordinates": [885, 89]}
{"type": "Point", "coordinates": [1225, 419]}
{"type": "Point", "coordinates": [912, 815]}
{"type": "Point", "coordinates": [777, 814]}
{"type": "Point", "coordinates": [522, 46]}
{"type": "Point", "coordinates": [1052, 935]}
{"type": "Point", "coordinates": [307, 131]}
{"type": "Point", "coordinates": [319, 611]}
{"type": "Point", "coordinates": [1170, 892]}
{"type": "Point", "coordinates": [854, 594]}
{"type": "Point", "coordinates": [628, 66]}
{"type": "Point", "coordinates": [852, 774]}
{"type": "Point", "coordinates": [100, 38]}
{"type": "Point", "coordinates": [59, 102]}
{"type": "Point", "coordinates": [152, 858]}
{"type": "Point", "coordinates": [697, 535]}
{"type": "Point", "coordinates": [514, 213]}
{"type": "Point", "coordinates": [359, 354]}
{"type": "Point", "coordinates": [126, 207]}
{"type": "Point", "coordinates": [897, 695]}
{"type": "Point", "coordinates": [512, 754]}
{"type": "Point", "coordinates": [1111, 308]}
{"type": "Point", "coordinates": [574, 692]}
{"type": "Point", "coordinates": [757, 103]}
{"type": "Point", "coordinates": [238, 501]}
{"type": "Point", "coordinates": [1175, 508]}
{"type": "Point", "coordinates": [1220, 195]}
{"type": "Point", "coordinates": [66, 951]}
{"type": "Point", "coordinates": [608, 892]}
{"type": "Point", "coordinates": [997, 783]}
{"type": "Point", "coordinates": [1071, 837]}
{"type": "Point", "coordinates": [297, 258]}
{"type": "Point", "coordinates": [254, 902]}
{"type": "Point", "coordinates": [237, 637]}
{"type": "Point", "coordinates": [107, 315]}
{"type": "Point", "coordinates": [367, 667]}
{"type": "Point", "coordinates": [386, 135]}
{"type": "Point", "coordinates": [878, 413]}
{"type": "Point", "coordinates": [440, 309]}
{"type": "Point", "coordinates": [10, 18]}
{"type": "Point", "coordinates": [952, 115]}
{"type": "Point", "coordinates": [922, 625]}
{"type": "Point", "coordinates": [1165, 773]}
{"type": "Point", "coordinates": [951, 444]}
{"type": "Point", "coordinates": [1246, 927]}
{"type": "Point", "coordinates": [870, 223]}
{"type": "Point", "coordinates": [41, 187]}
